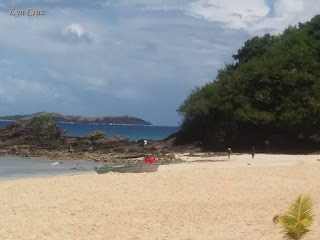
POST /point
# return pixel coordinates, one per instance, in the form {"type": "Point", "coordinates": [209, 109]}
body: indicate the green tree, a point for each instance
{"type": "Point", "coordinates": [273, 89]}
{"type": "Point", "coordinates": [254, 47]}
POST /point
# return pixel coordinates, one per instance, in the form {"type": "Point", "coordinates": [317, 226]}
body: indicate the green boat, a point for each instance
{"type": "Point", "coordinates": [130, 168]}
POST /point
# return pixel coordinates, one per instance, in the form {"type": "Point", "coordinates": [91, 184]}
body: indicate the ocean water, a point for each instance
{"type": "Point", "coordinates": [17, 167]}
{"type": "Point", "coordinates": [127, 131]}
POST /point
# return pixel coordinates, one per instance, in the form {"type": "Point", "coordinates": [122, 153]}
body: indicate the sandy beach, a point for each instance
{"type": "Point", "coordinates": [208, 199]}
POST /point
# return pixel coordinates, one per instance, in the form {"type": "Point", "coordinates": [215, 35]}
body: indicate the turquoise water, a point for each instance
{"type": "Point", "coordinates": [127, 131]}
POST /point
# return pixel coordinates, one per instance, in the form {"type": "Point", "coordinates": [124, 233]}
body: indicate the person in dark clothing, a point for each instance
{"type": "Point", "coordinates": [253, 152]}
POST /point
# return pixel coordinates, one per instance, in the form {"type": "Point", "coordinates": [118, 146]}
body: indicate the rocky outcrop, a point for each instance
{"type": "Point", "coordinates": [41, 131]}
{"type": "Point", "coordinates": [41, 137]}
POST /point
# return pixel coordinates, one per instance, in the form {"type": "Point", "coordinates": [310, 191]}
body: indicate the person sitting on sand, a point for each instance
{"type": "Point", "coordinates": [229, 152]}
{"type": "Point", "coordinates": [152, 159]}
{"type": "Point", "coordinates": [147, 159]}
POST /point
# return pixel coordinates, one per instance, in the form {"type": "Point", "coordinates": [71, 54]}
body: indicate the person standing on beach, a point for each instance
{"type": "Point", "coordinates": [145, 142]}
{"type": "Point", "coordinates": [229, 153]}
{"type": "Point", "coordinates": [253, 152]}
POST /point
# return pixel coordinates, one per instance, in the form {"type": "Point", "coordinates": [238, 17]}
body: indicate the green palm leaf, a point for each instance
{"type": "Point", "coordinates": [298, 219]}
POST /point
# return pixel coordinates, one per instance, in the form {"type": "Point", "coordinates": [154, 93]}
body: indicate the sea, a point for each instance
{"type": "Point", "coordinates": [132, 132]}
{"type": "Point", "coordinates": [16, 167]}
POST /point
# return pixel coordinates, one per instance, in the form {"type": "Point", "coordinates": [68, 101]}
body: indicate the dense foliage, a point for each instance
{"type": "Point", "coordinates": [272, 91]}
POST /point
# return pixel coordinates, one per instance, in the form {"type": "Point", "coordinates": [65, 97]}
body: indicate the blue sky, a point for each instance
{"type": "Point", "coordinates": [126, 57]}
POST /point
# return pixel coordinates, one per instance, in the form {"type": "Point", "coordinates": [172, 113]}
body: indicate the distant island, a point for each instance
{"type": "Point", "coordinates": [59, 118]}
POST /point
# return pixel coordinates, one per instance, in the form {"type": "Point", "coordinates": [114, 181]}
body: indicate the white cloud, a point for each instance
{"type": "Point", "coordinates": [165, 5]}
{"type": "Point", "coordinates": [254, 15]}
{"type": "Point", "coordinates": [288, 7]}
{"type": "Point", "coordinates": [294, 11]}
{"type": "Point", "coordinates": [234, 13]}
{"type": "Point", "coordinates": [76, 28]}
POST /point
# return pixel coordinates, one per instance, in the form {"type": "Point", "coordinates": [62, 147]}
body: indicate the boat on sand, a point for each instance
{"type": "Point", "coordinates": [130, 168]}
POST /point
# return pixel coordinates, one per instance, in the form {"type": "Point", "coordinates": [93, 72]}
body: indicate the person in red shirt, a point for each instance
{"type": "Point", "coordinates": [152, 160]}
{"type": "Point", "coordinates": [147, 159]}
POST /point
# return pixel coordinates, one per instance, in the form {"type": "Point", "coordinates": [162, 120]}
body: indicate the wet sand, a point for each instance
{"type": "Point", "coordinates": [198, 200]}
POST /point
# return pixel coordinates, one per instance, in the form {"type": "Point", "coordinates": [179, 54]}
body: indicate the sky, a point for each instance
{"type": "Point", "coordinates": [126, 57]}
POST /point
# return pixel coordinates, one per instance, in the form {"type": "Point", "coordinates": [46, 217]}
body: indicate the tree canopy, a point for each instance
{"type": "Point", "coordinates": [271, 91]}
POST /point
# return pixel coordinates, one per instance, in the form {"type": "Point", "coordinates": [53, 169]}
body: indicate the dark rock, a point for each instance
{"type": "Point", "coordinates": [41, 137]}
{"type": "Point", "coordinates": [41, 130]}
{"type": "Point", "coordinates": [115, 138]}
{"type": "Point", "coordinates": [94, 135]}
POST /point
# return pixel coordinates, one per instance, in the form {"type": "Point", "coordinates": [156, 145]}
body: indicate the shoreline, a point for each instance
{"type": "Point", "coordinates": [185, 161]}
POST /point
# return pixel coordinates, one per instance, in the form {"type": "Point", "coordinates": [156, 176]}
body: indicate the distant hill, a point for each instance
{"type": "Point", "coordinates": [80, 119]}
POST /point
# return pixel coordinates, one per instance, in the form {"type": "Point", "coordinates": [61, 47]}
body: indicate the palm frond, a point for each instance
{"type": "Point", "coordinates": [298, 219]}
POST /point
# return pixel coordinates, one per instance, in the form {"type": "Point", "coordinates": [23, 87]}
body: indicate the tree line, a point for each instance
{"type": "Point", "coordinates": [271, 91]}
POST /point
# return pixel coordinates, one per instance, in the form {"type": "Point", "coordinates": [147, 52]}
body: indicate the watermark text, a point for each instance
{"type": "Point", "coordinates": [29, 12]}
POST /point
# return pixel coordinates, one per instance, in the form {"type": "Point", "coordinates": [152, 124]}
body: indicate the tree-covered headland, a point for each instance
{"type": "Point", "coordinates": [271, 92]}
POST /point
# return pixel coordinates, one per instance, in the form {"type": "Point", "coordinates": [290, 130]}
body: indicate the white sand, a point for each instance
{"type": "Point", "coordinates": [206, 200]}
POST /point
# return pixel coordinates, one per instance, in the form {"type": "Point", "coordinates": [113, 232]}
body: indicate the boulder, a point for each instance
{"type": "Point", "coordinates": [41, 130]}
